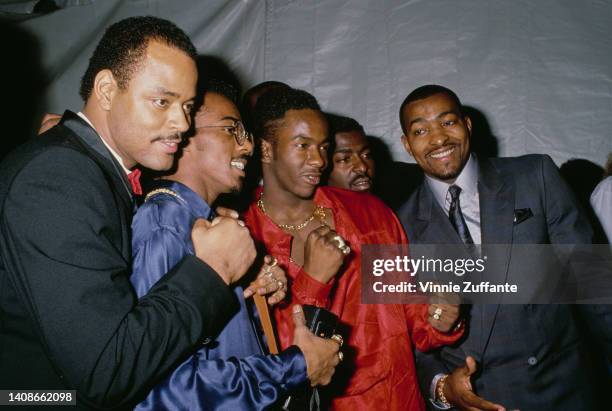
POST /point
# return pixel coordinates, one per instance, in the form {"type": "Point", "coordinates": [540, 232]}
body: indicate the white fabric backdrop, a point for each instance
{"type": "Point", "coordinates": [540, 72]}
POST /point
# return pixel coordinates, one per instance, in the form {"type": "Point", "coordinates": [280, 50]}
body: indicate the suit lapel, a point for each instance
{"type": "Point", "coordinates": [432, 225]}
{"type": "Point", "coordinates": [94, 143]}
{"type": "Point", "coordinates": [88, 141]}
{"type": "Point", "coordinates": [496, 198]}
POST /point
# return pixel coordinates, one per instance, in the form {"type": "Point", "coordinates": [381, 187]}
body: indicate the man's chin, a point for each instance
{"type": "Point", "coordinates": [447, 177]}
{"type": "Point", "coordinates": [306, 194]}
{"type": "Point", "coordinates": [158, 164]}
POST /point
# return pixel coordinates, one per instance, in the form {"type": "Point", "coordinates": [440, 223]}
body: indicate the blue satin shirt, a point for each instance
{"type": "Point", "coordinates": [231, 372]}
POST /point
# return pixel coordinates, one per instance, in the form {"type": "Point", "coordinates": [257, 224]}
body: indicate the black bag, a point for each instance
{"type": "Point", "coordinates": [323, 324]}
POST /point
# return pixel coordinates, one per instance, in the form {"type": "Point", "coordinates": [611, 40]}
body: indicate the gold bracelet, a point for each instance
{"type": "Point", "coordinates": [440, 391]}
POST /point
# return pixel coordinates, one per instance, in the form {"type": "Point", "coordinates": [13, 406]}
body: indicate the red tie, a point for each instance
{"type": "Point", "coordinates": [134, 178]}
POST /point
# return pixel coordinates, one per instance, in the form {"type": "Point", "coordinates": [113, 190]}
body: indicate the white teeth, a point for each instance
{"type": "Point", "coordinates": [237, 164]}
{"type": "Point", "coordinates": [444, 153]}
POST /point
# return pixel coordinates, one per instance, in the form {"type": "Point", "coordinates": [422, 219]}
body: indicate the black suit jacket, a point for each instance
{"type": "Point", "coordinates": [531, 357]}
{"type": "Point", "coordinates": [69, 316]}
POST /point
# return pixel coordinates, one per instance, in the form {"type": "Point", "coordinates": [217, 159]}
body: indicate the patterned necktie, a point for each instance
{"type": "Point", "coordinates": [456, 216]}
{"type": "Point", "coordinates": [134, 178]}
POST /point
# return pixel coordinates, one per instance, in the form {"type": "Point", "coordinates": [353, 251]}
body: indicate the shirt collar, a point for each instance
{"type": "Point", "coordinates": [197, 206]}
{"type": "Point", "coordinates": [467, 180]}
{"type": "Point", "coordinates": [113, 152]}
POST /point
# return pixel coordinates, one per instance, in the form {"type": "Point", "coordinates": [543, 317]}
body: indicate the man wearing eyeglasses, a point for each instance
{"type": "Point", "coordinates": [231, 371]}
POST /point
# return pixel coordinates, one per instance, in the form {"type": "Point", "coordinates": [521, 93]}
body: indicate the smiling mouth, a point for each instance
{"type": "Point", "coordinates": [239, 164]}
{"type": "Point", "coordinates": [442, 154]}
{"type": "Point", "coordinates": [313, 179]}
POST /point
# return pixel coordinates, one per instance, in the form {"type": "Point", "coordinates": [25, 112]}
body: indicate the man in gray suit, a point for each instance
{"type": "Point", "coordinates": [530, 357]}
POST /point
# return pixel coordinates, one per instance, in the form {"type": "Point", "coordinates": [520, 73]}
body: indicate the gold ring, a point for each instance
{"type": "Point", "coordinates": [436, 316]}
{"type": "Point", "coordinates": [345, 249]}
{"type": "Point", "coordinates": [438, 311]}
{"type": "Point", "coordinates": [340, 356]}
{"type": "Point", "coordinates": [268, 273]}
{"type": "Point", "coordinates": [273, 263]}
{"type": "Point", "coordinates": [280, 284]}
{"type": "Point", "coordinates": [338, 338]}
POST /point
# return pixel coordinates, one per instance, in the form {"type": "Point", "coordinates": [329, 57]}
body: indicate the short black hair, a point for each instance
{"type": "Point", "coordinates": [263, 88]}
{"type": "Point", "coordinates": [221, 87]}
{"type": "Point", "coordinates": [273, 105]}
{"type": "Point", "coordinates": [255, 93]}
{"type": "Point", "coordinates": [342, 124]}
{"type": "Point", "coordinates": [425, 92]}
{"type": "Point", "coordinates": [122, 48]}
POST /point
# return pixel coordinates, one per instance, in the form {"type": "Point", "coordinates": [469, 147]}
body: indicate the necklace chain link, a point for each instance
{"type": "Point", "coordinates": [318, 212]}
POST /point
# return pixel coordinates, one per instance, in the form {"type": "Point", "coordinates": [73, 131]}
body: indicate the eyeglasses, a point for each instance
{"type": "Point", "coordinates": [237, 130]}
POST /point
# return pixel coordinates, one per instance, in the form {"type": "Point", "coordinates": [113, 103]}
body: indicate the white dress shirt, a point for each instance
{"type": "Point", "coordinates": [113, 152]}
{"type": "Point", "coordinates": [468, 198]}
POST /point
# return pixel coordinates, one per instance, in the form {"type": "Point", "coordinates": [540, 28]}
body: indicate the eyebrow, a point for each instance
{"type": "Point", "coordinates": [416, 120]}
{"type": "Point", "coordinates": [230, 118]}
{"type": "Point", "coordinates": [166, 92]}
{"type": "Point", "coordinates": [301, 136]}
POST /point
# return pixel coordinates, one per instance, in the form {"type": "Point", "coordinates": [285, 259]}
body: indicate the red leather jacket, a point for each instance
{"type": "Point", "coordinates": [378, 372]}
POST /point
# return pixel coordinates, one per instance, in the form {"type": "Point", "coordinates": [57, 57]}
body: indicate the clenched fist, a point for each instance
{"type": "Point", "coordinates": [443, 316]}
{"type": "Point", "coordinates": [324, 253]}
{"type": "Point", "coordinates": [224, 244]}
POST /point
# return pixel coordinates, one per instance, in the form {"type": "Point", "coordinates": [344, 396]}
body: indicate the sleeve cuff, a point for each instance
{"type": "Point", "coordinates": [451, 336]}
{"type": "Point", "coordinates": [296, 374]}
{"type": "Point", "coordinates": [432, 394]}
{"type": "Point", "coordinates": [310, 291]}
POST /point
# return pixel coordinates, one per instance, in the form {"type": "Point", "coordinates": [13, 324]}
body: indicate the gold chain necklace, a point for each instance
{"type": "Point", "coordinates": [162, 191]}
{"type": "Point", "coordinates": [318, 212]}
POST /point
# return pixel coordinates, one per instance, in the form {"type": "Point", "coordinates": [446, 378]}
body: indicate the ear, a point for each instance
{"type": "Point", "coordinates": [104, 89]}
{"type": "Point", "coordinates": [267, 151]}
{"type": "Point", "coordinates": [468, 123]}
{"type": "Point", "coordinates": [406, 145]}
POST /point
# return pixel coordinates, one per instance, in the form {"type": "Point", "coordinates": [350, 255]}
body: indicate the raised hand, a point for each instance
{"type": "Point", "coordinates": [270, 280]}
{"type": "Point", "coordinates": [322, 355]}
{"type": "Point", "coordinates": [224, 244]}
{"type": "Point", "coordinates": [227, 212]}
{"type": "Point", "coordinates": [443, 317]}
{"type": "Point", "coordinates": [324, 253]}
{"type": "Point", "coordinates": [459, 392]}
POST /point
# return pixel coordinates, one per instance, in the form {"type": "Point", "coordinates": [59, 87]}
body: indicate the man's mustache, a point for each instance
{"type": "Point", "coordinates": [359, 177]}
{"type": "Point", "coordinates": [176, 137]}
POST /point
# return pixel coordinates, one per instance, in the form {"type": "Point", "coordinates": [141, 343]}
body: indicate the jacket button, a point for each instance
{"type": "Point", "coordinates": [206, 341]}
{"type": "Point", "coordinates": [532, 361]}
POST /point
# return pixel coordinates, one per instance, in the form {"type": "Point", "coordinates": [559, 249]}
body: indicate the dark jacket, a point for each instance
{"type": "Point", "coordinates": [69, 316]}
{"type": "Point", "coordinates": [530, 357]}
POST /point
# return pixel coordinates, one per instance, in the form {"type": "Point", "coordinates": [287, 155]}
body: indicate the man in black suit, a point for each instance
{"type": "Point", "coordinates": [531, 357]}
{"type": "Point", "coordinates": [69, 318]}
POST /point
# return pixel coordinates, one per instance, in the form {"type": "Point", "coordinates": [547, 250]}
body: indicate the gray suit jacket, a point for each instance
{"type": "Point", "coordinates": [530, 357]}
